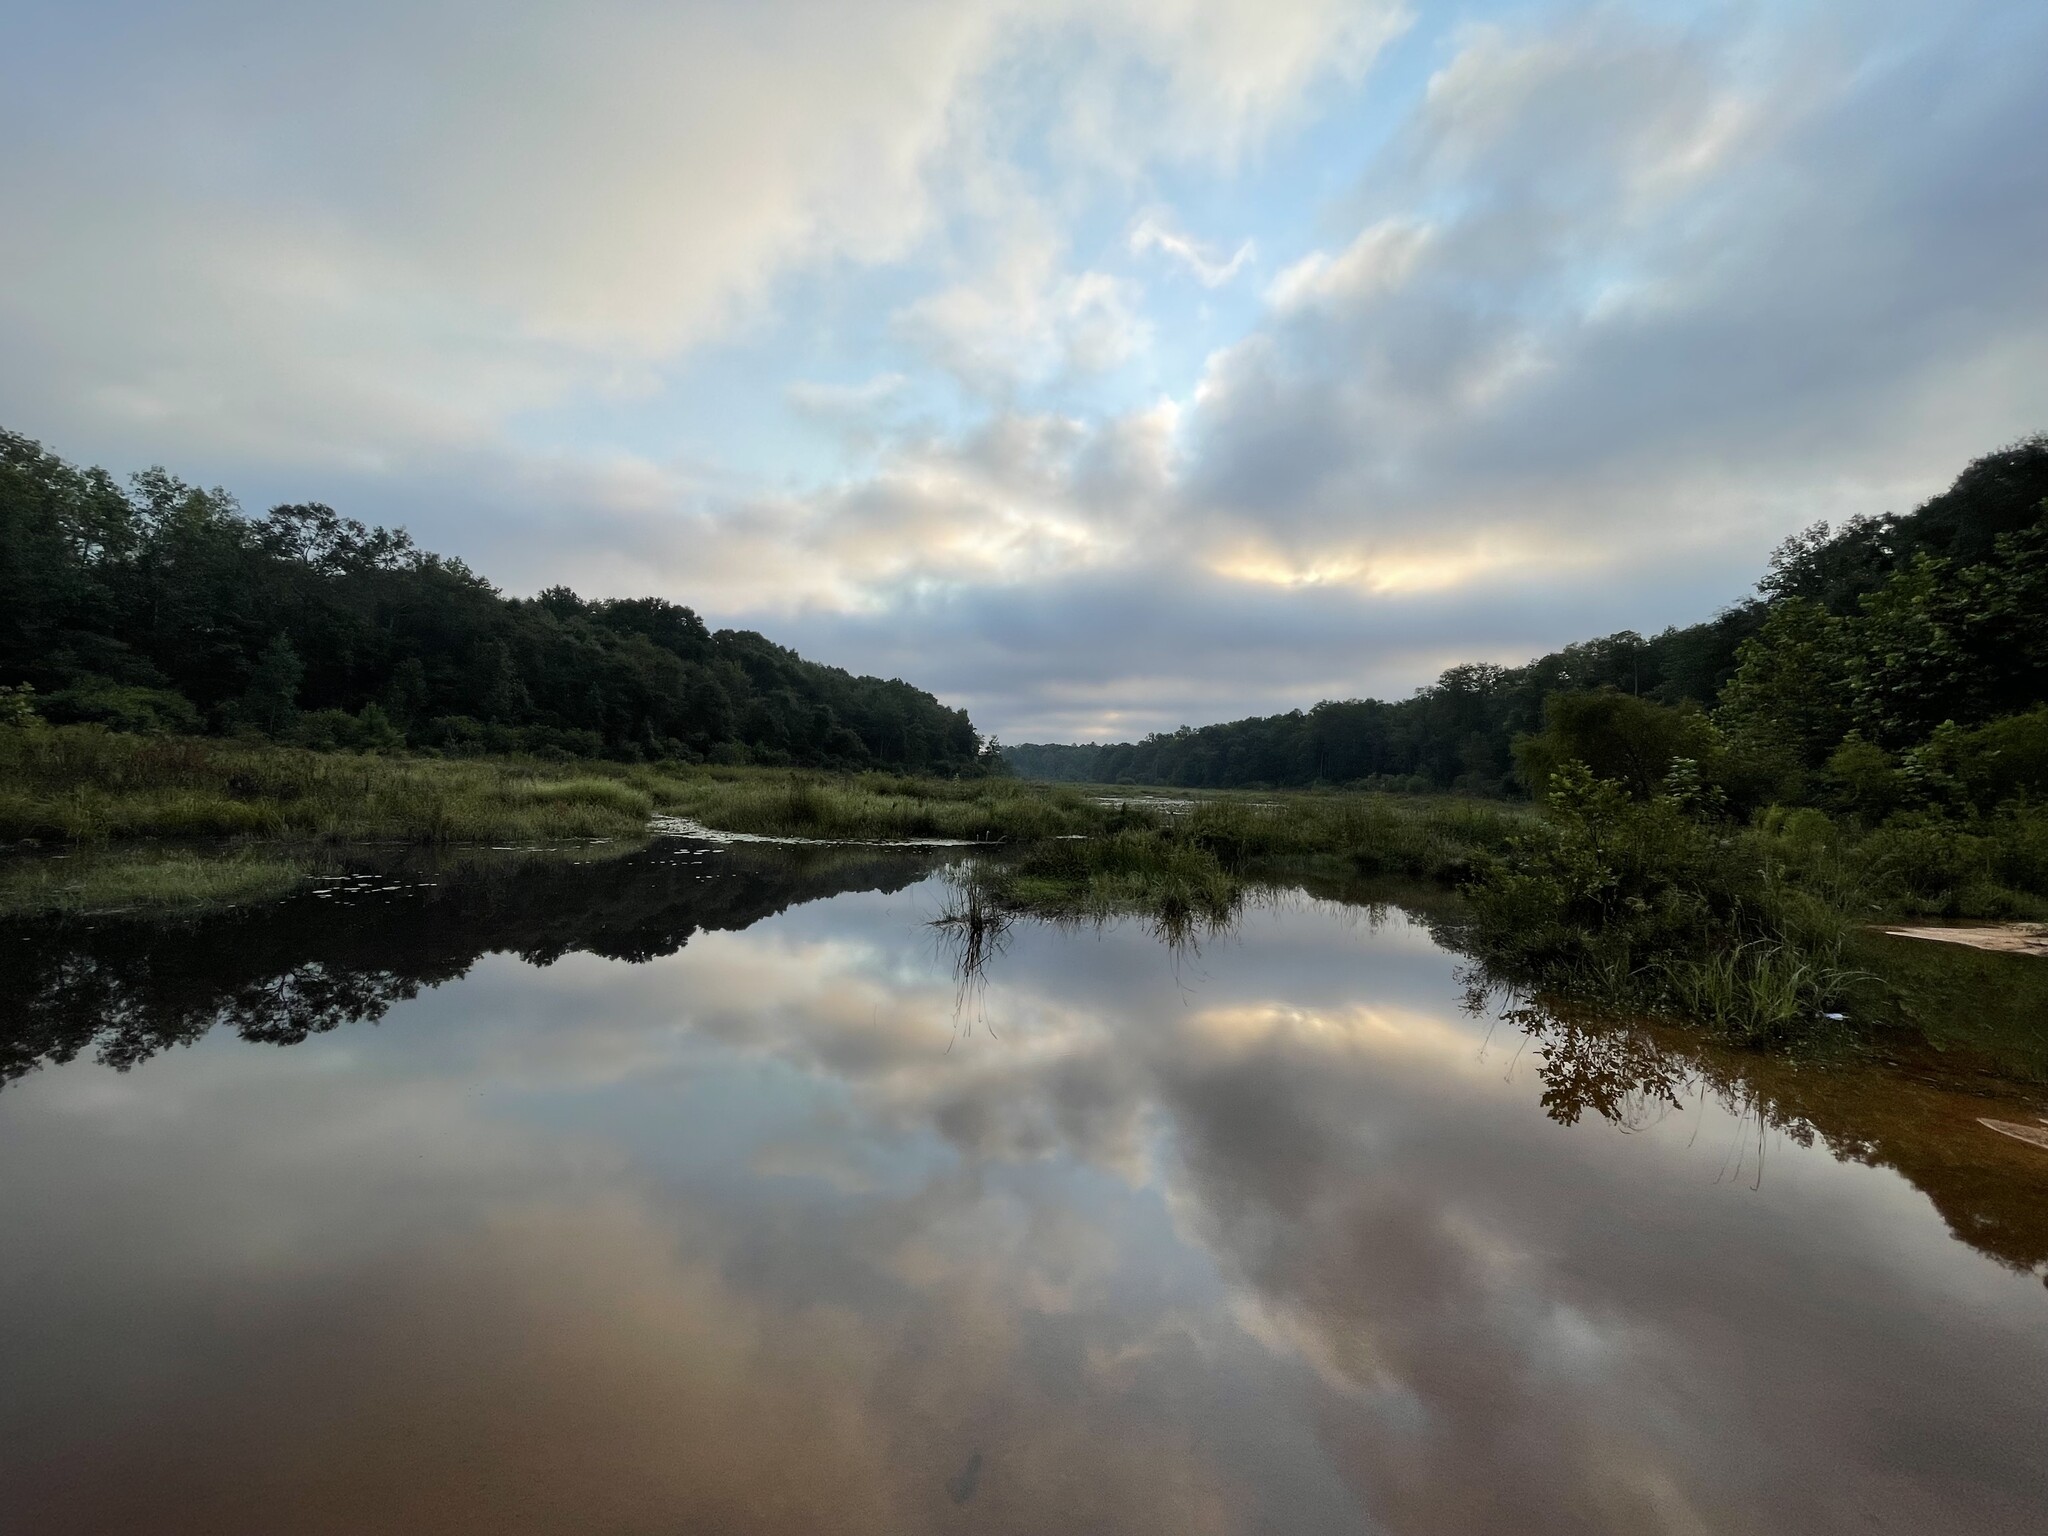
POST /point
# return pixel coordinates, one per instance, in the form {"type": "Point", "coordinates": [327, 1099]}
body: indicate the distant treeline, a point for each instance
{"type": "Point", "coordinates": [159, 606]}
{"type": "Point", "coordinates": [1872, 635]}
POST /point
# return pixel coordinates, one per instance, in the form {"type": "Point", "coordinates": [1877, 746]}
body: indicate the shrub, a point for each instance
{"type": "Point", "coordinates": [1923, 864]}
{"type": "Point", "coordinates": [2019, 841]}
{"type": "Point", "coordinates": [1865, 780]}
{"type": "Point", "coordinates": [2006, 760]}
{"type": "Point", "coordinates": [1633, 903]}
{"type": "Point", "coordinates": [122, 707]}
{"type": "Point", "coordinates": [18, 706]}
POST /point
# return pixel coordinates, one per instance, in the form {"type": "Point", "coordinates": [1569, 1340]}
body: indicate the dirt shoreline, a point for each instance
{"type": "Point", "coordinates": [1999, 938]}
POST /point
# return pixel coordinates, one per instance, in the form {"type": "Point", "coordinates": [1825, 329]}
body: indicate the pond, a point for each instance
{"type": "Point", "coordinates": [697, 1189]}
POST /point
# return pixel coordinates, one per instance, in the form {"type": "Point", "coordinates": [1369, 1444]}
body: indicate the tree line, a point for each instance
{"type": "Point", "coordinates": [1865, 657]}
{"type": "Point", "coordinates": [160, 606]}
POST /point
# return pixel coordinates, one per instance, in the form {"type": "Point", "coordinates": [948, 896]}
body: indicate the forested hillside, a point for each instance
{"type": "Point", "coordinates": [160, 606]}
{"type": "Point", "coordinates": [1886, 628]}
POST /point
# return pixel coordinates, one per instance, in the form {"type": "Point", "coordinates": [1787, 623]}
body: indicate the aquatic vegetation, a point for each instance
{"type": "Point", "coordinates": [1764, 989]}
{"type": "Point", "coordinates": [1160, 870]}
{"type": "Point", "coordinates": [1189, 871]}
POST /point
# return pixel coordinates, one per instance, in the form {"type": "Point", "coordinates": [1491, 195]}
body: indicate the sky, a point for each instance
{"type": "Point", "coordinates": [1101, 367]}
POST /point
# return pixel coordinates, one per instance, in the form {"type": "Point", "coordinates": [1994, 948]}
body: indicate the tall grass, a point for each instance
{"type": "Point", "coordinates": [1446, 839]}
{"type": "Point", "coordinates": [1192, 872]}
{"type": "Point", "coordinates": [84, 784]}
{"type": "Point", "coordinates": [884, 807]}
{"type": "Point", "coordinates": [1158, 870]}
{"type": "Point", "coordinates": [1762, 991]}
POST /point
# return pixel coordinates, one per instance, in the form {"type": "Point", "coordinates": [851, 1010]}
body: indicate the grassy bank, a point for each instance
{"type": "Point", "coordinates": [1755, 932]}
{"type": "Point", "coordinates": [83, 784]}
{"type": "Point", "coordinates": [1761, 934]}
{"type": "Point", "coordinates": [1068, 850]}
{"type": "Point", "coordinates": [151, 879]}
{"type": "Point", "coordinates": [1752, 931]}
{"type": "Point", "coordinates": [98, 881]}
{"type": "Point", "coordinates": [878, 807]}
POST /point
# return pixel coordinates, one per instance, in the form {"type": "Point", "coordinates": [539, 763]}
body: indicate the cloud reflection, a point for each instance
{"type": "Point", "coordinates": [751, 1237]}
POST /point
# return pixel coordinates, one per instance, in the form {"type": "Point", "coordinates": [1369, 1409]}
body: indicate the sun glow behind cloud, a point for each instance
{"type": "Point", "coordinates": [1434, 572]}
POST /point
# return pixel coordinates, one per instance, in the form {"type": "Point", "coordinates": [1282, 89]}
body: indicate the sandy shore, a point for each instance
{"type": "Point", "coordinates": [2004, 938]}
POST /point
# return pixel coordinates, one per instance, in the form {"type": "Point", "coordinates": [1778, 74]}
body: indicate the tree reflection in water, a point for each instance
{"type": "Point", "coordinates": [125, 988]}
{"type": "Point", "coordinates": [1919, 1119]}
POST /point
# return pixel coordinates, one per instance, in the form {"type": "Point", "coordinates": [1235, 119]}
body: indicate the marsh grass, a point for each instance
{"type": "Point", "coordinates": [1192, 871]}
{"type": "Point", "coordinates": [883, 807]}
{"type": "Point", "coordinates": [615, 795]}
{"type": "Point", "coordinates": [1445, 839]}
{"type": "Point", "coordinates": [84, 784]}
{"type": "Point", "coordinates": [1158, 870]}
{"type": "Point", "coordinates": [148, 880]}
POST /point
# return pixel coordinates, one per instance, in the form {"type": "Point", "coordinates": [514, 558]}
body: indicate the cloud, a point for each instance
{"type": "Point", "coordinates": [1374, 265]}
{"type": "Point", "coordinates": [1023, 497]}
{"type": "Point", "coordinates": [308, 237]}
{"type": "Point", "coordinates": [1152, 234]}
{"type": "Point", "coordinates": [1571, 316]}
{"type": "Point", "coordinates": [1019, 316]}
{"type": "Point", "coordinates": [847, 402]}
{"type": "Point", "coordinates": [354, 237]}
{"type": "Point", "coordinates": [1024, 323]}
{"type": "Point", "coordinates": [1603, 299]}
{"type": "Point", "coordinates": [1207, 80]}
{"type": "Point", "coordinates": [862, 415]}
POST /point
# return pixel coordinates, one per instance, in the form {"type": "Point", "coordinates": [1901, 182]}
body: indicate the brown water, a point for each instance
{"type": "Point", "coordinates": [689, 1192]}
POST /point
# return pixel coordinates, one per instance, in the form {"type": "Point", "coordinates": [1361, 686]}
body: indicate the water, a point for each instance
{"type": "Point", "coordinates": [693, 1191]}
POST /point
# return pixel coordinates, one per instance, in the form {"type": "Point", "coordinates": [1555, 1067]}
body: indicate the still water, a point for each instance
{"type": "Point", "coordinates": [696, 1192]}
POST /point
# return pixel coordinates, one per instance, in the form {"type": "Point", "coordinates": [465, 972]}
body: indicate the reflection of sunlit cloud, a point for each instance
{"type": "Point", "coordinates": [1360, 1027]}
{"type": "Point", "coordinates": [1345, 1360]}
{"type": "Point", "coordinates": [805, 1160]}
{"type": "Point", "coordinates": [1045, 1258]}
{"type": "Point", "coordinates": [590, 1328]}
{"type": "Point", "coordinates": [1176, 1331]}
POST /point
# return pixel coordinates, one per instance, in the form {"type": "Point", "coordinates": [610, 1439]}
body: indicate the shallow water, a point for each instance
{"type": "Point", "coordinates": [693, 1191]}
